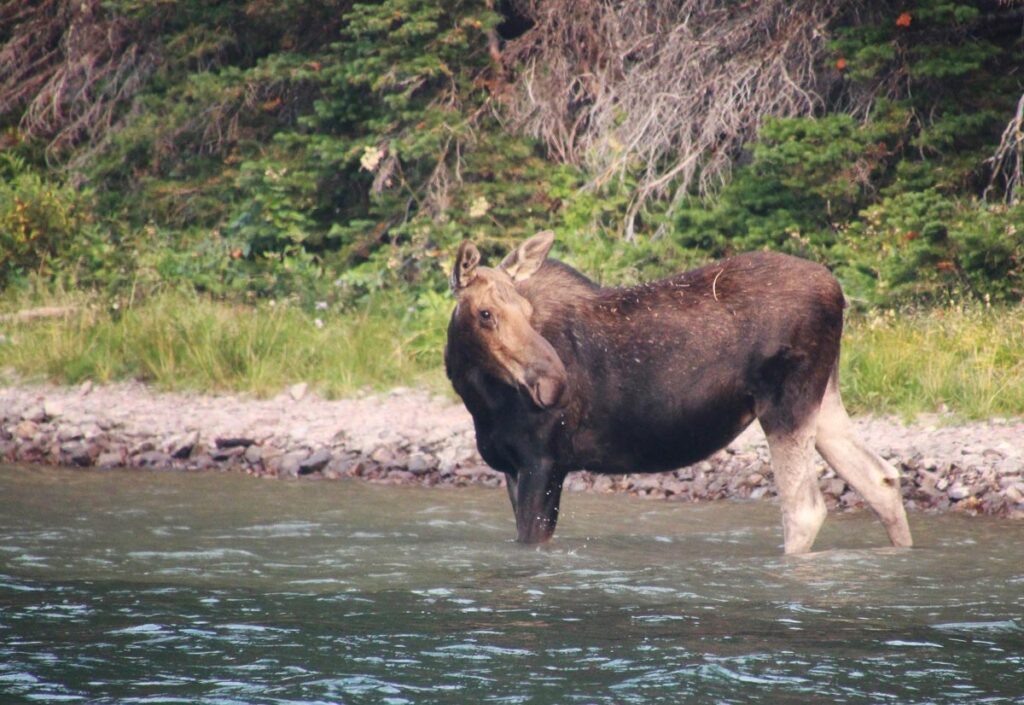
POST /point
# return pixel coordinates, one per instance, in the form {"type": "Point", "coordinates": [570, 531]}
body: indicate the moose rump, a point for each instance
{"type": "Point", "coordinates": [560, 374]}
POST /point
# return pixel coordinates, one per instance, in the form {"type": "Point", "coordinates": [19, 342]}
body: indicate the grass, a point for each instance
{"type": "Point", "coordinates": [186, 342]}
{"type": "Point", "coordinates": [969, 361]}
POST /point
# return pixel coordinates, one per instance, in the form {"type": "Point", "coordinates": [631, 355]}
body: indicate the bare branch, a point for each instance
{"type": "Point", "coordinates": [70, 66]}
{"type": "Point", "coordinates": [667, 89]}
{"type": "Point", "coordinates": [1008, 161]}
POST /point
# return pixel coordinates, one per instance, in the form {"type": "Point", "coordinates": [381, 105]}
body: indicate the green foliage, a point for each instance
{"type": "Point", "coordinates": [891, 202]}
{"type": "Point", "coordinates": [39, 219]}
{"type": "Point", "coordinates": [807, 180]}
{"type": "Point", "coordinates": [989, 244]}
{"type": "Point", "coordinates": [800, 195]}
{"type": "Point", "coordinates": [321, 151]}
{"type": "Point", "coordinates": [956, 86]}
{"type": "Point", "coordinates": [588, 228]}
{"type": "Point", "coordinates": [401, 156]}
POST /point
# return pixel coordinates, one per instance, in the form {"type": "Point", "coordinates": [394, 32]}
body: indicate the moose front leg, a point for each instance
{"type": "Point", "coordinates": [535, 494]}
{"type": "Point", "coordinates": [512, 485]}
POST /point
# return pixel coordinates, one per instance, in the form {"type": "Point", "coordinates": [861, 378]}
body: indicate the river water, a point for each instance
{"type": "Point", "coordinates": [150, 587]}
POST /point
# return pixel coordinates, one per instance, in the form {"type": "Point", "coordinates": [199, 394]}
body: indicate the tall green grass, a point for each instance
{"type": "Point", "coordinates": [966, 360]}
{"type": "Point", "coordinates": [181, 341]}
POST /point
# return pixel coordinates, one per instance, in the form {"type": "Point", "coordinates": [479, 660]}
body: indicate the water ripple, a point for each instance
{"type": "Point", "coordinates": [210, 590]}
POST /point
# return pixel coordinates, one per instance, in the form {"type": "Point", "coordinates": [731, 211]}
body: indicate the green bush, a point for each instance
{"type": "Point", "coordinates": [401, 156]}
{"type": "Point", "coordinates": [39, 219]}
{"type": "Point", "coordinates": [812, 189]}
{"type": "Point", "coordinates": [926, 247]}
{"type": "Point", "coordinates": [320, 151]}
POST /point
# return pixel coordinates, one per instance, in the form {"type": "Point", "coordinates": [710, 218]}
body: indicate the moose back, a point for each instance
{"type": "Point", "coordinates": [560, 374]}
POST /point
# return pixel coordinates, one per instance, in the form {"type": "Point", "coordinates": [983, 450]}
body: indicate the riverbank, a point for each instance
{"type": "Point", "coordinates": [408, 436]}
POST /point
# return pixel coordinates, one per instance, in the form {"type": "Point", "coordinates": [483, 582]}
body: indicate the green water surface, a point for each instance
{"type": "Point", "coordinates": [153, 587]}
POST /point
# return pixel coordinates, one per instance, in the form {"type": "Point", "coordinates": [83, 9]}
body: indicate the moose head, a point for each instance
{"type": "Point", "coordinates": [493, 319]}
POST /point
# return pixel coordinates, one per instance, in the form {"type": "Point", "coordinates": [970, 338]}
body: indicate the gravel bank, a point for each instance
{"type": "Point", "coordinates": [409, 437]}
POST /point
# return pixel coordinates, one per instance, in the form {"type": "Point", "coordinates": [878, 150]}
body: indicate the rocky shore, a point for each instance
{"type": "Point", "coordinates": [410, 437]}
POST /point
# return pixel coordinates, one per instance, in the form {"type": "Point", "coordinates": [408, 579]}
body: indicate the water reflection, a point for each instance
{"type": "Point", "coordinates": [122, 587]}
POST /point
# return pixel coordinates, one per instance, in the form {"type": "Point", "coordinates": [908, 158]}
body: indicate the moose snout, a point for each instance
{"type": "Point", "coordinates": [545, 378]}
{"type": "Point", "coordinates": [546, 388]}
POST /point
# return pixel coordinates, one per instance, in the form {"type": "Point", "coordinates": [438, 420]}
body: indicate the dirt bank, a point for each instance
{"type": "Point", "coordinates": [407, 436]}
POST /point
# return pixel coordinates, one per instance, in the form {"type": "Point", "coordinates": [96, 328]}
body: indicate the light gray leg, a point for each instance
{"type": "Point", "coordinates": [868, 474]}
{"type": "Point", "coordinates": [803, 507]}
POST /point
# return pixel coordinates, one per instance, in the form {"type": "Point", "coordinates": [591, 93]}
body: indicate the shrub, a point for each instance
{"type": "Point", "coordinates": [39, 219]}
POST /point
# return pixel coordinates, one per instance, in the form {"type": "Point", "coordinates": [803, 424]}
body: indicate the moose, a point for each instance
{"type": "Point", "coordinates": [561, 374]}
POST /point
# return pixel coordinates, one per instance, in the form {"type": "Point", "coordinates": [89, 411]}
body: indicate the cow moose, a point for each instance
{"type": "Point", "coordinates": [561, 374]}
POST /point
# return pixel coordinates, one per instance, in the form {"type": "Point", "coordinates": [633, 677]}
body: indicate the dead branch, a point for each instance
{"type": "Point", "coordinates": [1007, 163]}
{"type": "Point", "coordinates": [33, 314]}
{"type": "Point", "coordinates": [69, 66]}
{"type": "Point", "coordinates": [670, 90]}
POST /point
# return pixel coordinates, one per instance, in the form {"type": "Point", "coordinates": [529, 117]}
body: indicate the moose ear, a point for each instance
{"type": "Point", "coordinates": [464, 268]}
{"type": "Point", "coordinates": [524, 261]}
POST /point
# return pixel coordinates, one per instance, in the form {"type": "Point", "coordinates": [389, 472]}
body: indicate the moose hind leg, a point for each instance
{"type": "Point", "coordinates": [796, 477]}
{"type": "Point", "coordinates": [868, 474]}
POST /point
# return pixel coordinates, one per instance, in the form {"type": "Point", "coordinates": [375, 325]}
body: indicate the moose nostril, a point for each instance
{"type": "Point", "coordinates": [547, 391]}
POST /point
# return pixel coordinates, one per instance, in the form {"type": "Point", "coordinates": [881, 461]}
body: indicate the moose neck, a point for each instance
{"type": "Point", "coordinates": [558, 293]}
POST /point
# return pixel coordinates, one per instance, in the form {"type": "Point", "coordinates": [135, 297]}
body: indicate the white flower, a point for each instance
{"type": "Point", "coordinates": [371, 158]}
{"type": "Point", "coordinates": [318, 323]}
{"type": "Point", "coordinates": [479, 207]}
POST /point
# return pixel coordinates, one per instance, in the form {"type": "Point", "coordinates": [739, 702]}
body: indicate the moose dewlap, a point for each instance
{"type": "Point", "coordinates": [561, 374]}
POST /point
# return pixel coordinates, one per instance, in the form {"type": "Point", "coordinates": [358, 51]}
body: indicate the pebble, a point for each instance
{"type": "Point", "coordinates": [152, 459]}
{"type": "Point", "coordinates": [289, 464]}
{"type": "Point", "coordinates": [254, 454]}
{"type": "Point", "coordinates": [181, 446]}
{"type": "Point", "coordinates": [834, 487]}
{"type": "Point", "coordinates": [418, 464]}
{"type": "Point", "coordinates": [70, 433]}
{"type": "Point", "coordinates": [110, 459]}
{"type": "Point", "coordinates": [77, 454]}
{"type": "Point", "coordinates": [223, 454]}
{"type": "Point", "coordinates": [315, 462]}
{"type": "Point", "coordinates": [26, 430]}
{"type": "Point", "coordinates": [35, 414]}
{"type": "Point", "coordinates": [384, 455]}
{"type": "Point", "coordinates": [958, 492]}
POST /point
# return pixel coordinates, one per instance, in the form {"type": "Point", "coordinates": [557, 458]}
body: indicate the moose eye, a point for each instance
{"type": "Point", "coordinates": [485, 316]}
